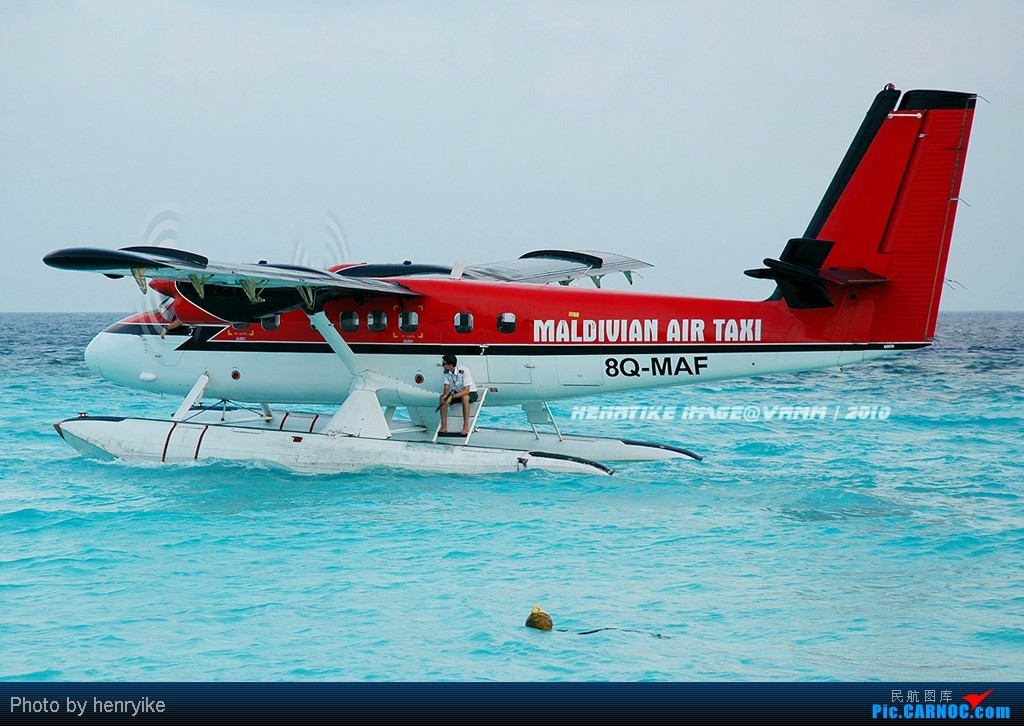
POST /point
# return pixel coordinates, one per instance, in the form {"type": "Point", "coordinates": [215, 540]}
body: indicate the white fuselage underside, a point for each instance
{"type": "Point", "coordinates": [153, 364]}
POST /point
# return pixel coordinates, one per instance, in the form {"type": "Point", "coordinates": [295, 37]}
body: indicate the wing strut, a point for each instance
{"type": "Point", "coordinates": [338, 345]}
{"type": "Point", "coordinates": [360, 414]}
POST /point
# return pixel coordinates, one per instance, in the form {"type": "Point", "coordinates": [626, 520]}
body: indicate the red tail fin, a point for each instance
{"type": "Point", "coordinates": [889, 214]}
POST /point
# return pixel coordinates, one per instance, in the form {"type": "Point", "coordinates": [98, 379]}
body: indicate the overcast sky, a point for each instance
{"type": "Point", "coordinates": [696, 136]}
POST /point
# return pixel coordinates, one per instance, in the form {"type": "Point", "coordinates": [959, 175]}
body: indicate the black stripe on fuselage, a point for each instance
{"type": "Point", "coordinates": [149, 329]}
{"type": "Point", "coordinates": [200, 341]}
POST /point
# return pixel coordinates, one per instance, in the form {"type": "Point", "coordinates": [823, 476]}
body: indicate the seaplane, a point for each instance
{"type": "Point", "coordinates": [240, 340]}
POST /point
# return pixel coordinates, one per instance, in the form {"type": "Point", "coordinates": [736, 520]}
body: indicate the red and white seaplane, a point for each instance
{"type": "Point", "coordinates": [862, 282]}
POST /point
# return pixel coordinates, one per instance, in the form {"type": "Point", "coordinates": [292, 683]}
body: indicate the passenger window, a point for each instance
{"type": "Point", "coordinates": [408, 321]}
{"type": "Point", "coordinates": [463, 322]}
{"type": "Point", "coordinates": [376, 321]}
{"type": "Point", "coordinates": [507, 323]}
{"type": "Point", "coordinates": [349, 321]}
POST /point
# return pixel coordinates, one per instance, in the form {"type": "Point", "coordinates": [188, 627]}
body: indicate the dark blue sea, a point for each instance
{"type": "Point", "coordinates": [879, 537]}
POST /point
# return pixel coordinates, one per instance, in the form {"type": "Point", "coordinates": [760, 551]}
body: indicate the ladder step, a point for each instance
{"type": "Point", "coordinates": [455, 415]}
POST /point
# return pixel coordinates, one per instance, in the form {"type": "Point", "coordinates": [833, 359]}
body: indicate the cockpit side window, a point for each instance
{"type": "Point", "coordinates": [507, 323]}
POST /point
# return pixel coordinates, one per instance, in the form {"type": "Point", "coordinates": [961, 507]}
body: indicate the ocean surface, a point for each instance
{"type": "Point", "coordinates": [889, 546]}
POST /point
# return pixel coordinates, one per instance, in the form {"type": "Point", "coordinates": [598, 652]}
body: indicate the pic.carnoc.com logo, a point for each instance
{"type": "Point", "coordinates": [915, 704]}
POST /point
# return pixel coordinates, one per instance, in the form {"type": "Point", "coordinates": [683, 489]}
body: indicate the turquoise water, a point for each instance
{"type": "Point", "coordinates": [799, 549]}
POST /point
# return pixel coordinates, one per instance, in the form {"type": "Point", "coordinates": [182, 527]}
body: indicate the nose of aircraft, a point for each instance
{"type": "Point", "coordinates": [92, 355]}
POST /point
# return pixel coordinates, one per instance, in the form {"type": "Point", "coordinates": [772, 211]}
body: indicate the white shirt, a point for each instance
{"type": "Point", "coordinates": [460, 378]}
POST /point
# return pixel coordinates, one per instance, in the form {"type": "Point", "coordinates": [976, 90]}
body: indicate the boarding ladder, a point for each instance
{"type": "Point", "coordinates": [455, 421]}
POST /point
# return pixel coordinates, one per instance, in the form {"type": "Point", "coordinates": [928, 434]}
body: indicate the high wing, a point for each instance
{"type": "Point", "coordinates": [562, 266]}
{"type": "Point", "coordinates": [169, 264]}
{"type": "Point", "coordinates": [250, 292]}
{"type": "Point", "coordinates": [235, 292]}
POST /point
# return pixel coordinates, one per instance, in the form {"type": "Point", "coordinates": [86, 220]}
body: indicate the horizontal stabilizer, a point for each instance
{"type": "Point", "coordinates": [852, 276]}
{"type": "Point", "coordinates": [797, 273]}
{"type": "Point", "coordinates": [800, 277]}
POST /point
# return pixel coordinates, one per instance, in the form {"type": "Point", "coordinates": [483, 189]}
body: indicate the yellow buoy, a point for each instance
{"type": "Point", "coordinates": [539, 619]}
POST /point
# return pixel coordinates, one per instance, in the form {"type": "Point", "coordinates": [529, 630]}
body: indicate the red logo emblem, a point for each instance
{"type": "Point", "coordinates": [974, 699]}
